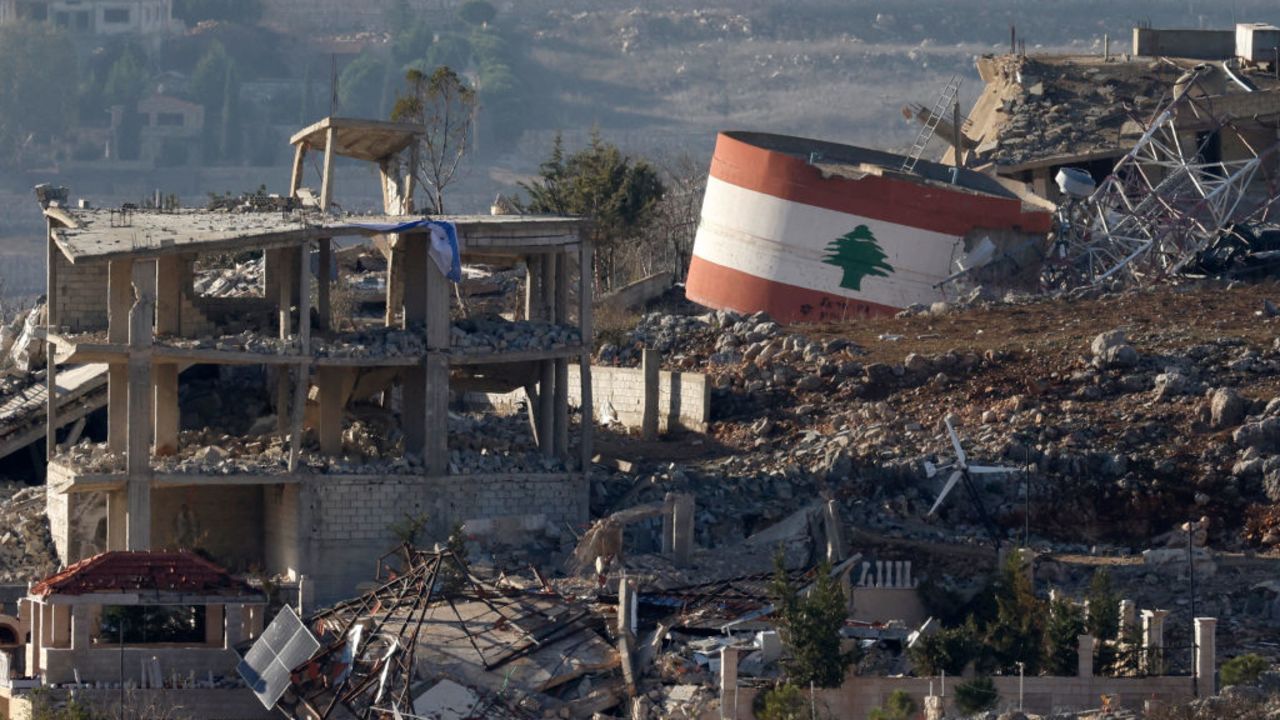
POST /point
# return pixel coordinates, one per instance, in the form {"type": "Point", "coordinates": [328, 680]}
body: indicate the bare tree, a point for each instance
{"type": "Point", "coordinates": [445, 108]}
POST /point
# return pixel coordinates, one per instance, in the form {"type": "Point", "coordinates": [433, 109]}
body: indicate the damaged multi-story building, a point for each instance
{"type": "Point", "coordinates": [295, 495]}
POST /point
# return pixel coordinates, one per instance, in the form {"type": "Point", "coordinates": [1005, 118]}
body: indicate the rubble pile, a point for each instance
{"type": "Point", "coordinates": [1056, 108]}
{"type": "Point", "coordinates": [242, 279]}
{"type": "Point", "coordinates": [374, 343]}
{"type": "Point", "coordinates": [492, 333]}
{"type": "Point", "coordinates": [489, 443]}
{"type": "Point", "coordinates": [26, 548]}
{"type": "Point", "coordinates": [1121, 433]}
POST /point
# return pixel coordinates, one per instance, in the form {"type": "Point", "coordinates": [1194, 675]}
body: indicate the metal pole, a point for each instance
{"type": "Point", "coordinates": [122, 666]}
{"type": "Point", "coordinates": [1020, 674]}
{"type": "Point", "coordinates": [1191, 576]}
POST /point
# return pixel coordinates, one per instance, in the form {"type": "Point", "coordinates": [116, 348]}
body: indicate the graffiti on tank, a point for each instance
{"type": "Point", "coordinates": [858, 255]}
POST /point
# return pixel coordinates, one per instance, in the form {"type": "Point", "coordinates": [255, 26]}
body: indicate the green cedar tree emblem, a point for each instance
{"type": "Point", "coordinates": [858, 254]}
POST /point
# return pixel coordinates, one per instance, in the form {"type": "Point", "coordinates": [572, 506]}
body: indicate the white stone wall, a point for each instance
{"type": "Point", "coordinates": [684, 398]}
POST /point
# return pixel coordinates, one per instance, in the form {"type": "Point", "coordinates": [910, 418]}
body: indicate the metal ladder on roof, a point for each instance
{"type": "Point", "coordinates": [945, 99]}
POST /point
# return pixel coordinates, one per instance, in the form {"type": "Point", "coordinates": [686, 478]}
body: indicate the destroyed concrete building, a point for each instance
{"type": "Point", "coordinates": [303, 495]}
{"type": "Point", "coordinates": [813, 231]}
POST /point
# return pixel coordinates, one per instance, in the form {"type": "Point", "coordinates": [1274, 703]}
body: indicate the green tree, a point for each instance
{"type": "Point", "coordinates": [810, 626]}
{"type": "Point", "coordinates": [615, 191]}
{"type": "Point", "coordinates": [1103, 622]}
{"type": "Point", "coordinates": [1016, 634]}
{"type": "Point", "coordinates": [245, 12]}
{"type": "Point", "coordinates": [128, 80]}
{"type": "Point", "coordinates": [411, 43]}
{"type": "Point", "coordinates": [360, 85]}
{"type": "Point", "coordinates": [36, 63]}
{"type": "Point", "coordinates": [209, 79]}
{"type": "Point", "coordinates": [1061, 637]}
{"type": "Point", "coordinates": [976, 696]}
{"type": "Point", "coordinates": [781, 702]}
{"type": "Point", "coordinates": [949, 650]}
{"type": "Point", "coordinates": [1243, 669]}
{"type": "Point", "coordinates": [449, 50]}
{"type": "Point", "coordinates": [445, 108]}
{"type": "Point", "coordinates": [859, 255]}
{"type": "Point", "coordinates": [898, 706]}
{"type": "Point", "coordinates": [477, 12]}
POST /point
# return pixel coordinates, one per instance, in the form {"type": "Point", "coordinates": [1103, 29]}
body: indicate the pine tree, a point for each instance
{"type": "Point", "coordinates": [810, 626]}
{"type": "Point", "coordinates": [1061, 638]}
{"type": "Point", "coordinates": [858, 254]}
{"type": "Point", "coordinates": [1017, 633]}
{"type": "Point", "coordinates": [1103, 622]}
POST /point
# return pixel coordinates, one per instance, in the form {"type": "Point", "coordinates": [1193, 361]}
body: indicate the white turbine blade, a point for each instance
{"type": "Point", "coordinates": [991, 470]}
{"type": "Point", "coordinates": [955, 442]}
{"type": "Point", "coordinates": [951, 482]}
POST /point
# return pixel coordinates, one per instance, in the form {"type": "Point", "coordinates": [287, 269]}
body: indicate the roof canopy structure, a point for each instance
{"type": "Point", "coordinates": [368, 140]}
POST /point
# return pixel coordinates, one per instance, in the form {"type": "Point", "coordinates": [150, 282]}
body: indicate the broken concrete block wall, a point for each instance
{"type": "Point", "coordinates": [80, 295]}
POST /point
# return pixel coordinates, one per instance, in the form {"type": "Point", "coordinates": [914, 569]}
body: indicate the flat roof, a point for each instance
{"type": "Point", "coordinates": [102, 234]}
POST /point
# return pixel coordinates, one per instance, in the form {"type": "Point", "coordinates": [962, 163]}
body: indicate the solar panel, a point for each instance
{"type": "Point", "coordinates": [284, 645]}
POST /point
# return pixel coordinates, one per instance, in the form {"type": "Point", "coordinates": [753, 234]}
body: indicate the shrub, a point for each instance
{"type": "Point", "coordinates": [977, 695]}
{"type": "Point", "coordinates": [782, 702]}
{"type": "Point", "coordinates": [899, 706]}
{"type": "Point", "coordinates": [1242, 669]}
{"type": "Point", "coordinates": [948, 650]}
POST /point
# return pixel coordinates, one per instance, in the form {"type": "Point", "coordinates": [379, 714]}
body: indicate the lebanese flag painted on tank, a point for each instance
{"type": "Point", "coordinates": [776, 235]}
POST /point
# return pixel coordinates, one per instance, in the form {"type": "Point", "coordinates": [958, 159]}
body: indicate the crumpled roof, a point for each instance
{"type": "Point", "coordinates": [162, 571]}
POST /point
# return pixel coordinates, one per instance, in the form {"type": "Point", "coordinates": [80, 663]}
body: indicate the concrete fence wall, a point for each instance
{"type": "Point", "coordinates": [684, 399]}
{"type": "Point", "coordinates": [1042, 695]}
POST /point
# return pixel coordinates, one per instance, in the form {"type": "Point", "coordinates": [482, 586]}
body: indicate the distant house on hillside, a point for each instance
{"type": "Point", "coordinates": [170, 133]}
{"type": "Point", "coordinates": [92, 17]}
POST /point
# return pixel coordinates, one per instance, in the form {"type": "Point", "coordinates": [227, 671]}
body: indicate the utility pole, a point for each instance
{"type": "Point", "coordinates": [1191, 576]}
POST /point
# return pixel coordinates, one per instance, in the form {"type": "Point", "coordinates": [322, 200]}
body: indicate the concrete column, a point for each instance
{"type": "Point", "coordinates": [833, 528]}
{"type": "Point", "coordinates": [61, 625]}
{"type": "Point", "coordinates": [1153, 640]}
{"type": "Point", "coordinates": [234, 623]}
{"type": "Point", "coordinates": [412, 249]}
{"type": "Point", "coordinates": [1084, 666]}
{"type": "Point", "coordinates": [295, 175]}
{"type": "Point", "coordinates": [650, 364]}
{"type": "Point", "coordinates": [167, 415]}
{"type": "Point", "coordinates": [546, 407]}
{"type": "Point", "coordinates": [303, 380]}
{"type": "Point", "coordinates": [1128, 617]}
{"type": "Point", "coordinates": [330, 382]}
{"type": "Point", "coordinates": [140, 433]}
{"type": "Point", "coordinates": [168, 295]}
{"type": "Point", "coordinates": [326, 179]}
{"type": "Point", "coordinates": [46, 625]}
{"type": "Point", "coordinates": [585, 323]}
{"type": "Point", "coordinates": [1206, 656]}
{"type": "Point", "coordinates": [324, 280]}
{"type": "Point", "coordinates": [668, 523]}
{"type": "Point", "coordinates": [437, 302]}
{"type": "Point", "coordinates": [436, 426]}
{"type": "Point", "coordinates": [119, 301]}
{"type": "Point", "coordinates": [52, 319]}
{"type": "Point", "coordinates": [626, 605]}
{"type": "Point", "coordinates": [117, 519]}
{"type": "Point", "coordinates": [81, 624]}
{"type": "Point", "coordinates": [728, 678]}
{"type": "Point", "coordinates": [213, 625]}
{"type": "Point", "coordinates": [933, 709]}
{"type": "Point", "coordinates": [682, 529]}
{"type": "Point", "coordinates": [561, 309]}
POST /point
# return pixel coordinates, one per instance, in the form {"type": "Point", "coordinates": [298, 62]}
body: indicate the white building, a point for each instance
{"type": "Point", "coordinates": [92, 17]}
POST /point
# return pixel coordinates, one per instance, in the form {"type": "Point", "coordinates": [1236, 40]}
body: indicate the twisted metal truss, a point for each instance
{"type": "Point", "coordinates": [1166, 200]}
